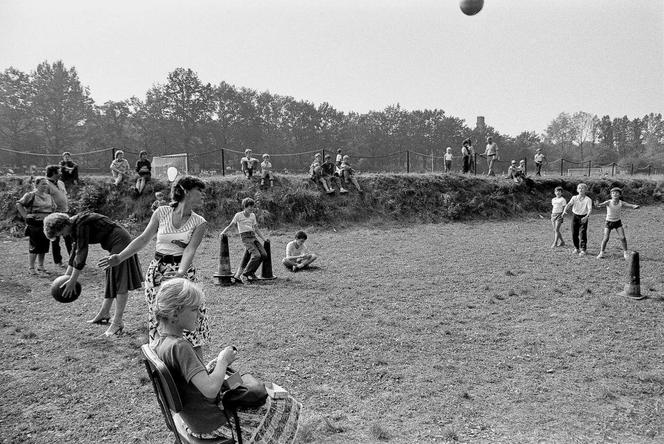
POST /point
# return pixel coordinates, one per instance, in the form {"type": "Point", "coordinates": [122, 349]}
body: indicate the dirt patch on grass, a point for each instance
{"type": "Point", "coordinates": [457, 332]}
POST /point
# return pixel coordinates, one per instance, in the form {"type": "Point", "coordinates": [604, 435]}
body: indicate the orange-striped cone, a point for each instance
{"type": "Point", "coordinates": [224, 274]}
{"type": "Point", "coordinates": [633, 286]}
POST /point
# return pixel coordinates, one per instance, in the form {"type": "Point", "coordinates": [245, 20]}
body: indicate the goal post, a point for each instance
{"type": "Point", "coordinates": [161, 164]}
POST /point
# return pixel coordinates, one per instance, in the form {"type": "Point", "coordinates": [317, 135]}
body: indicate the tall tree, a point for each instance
{"type": "Point", "coordinates": [61, 106]}
{"type": "Point", "coordinates": [561, 132]}
{"type": "Point", "coordinates": [17, 123]}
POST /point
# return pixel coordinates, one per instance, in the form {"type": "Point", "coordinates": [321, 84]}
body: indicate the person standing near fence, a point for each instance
{"type": "Point", "coordinates": [58, 191]}
{"type": "Point", "coordinates": [248, 164]}
{"type": "Point", "coordinates": [540, 158]}
{"type": "Point", "coordinates": [68, 170]}
{"type": "Point", "coordinates": [33, 207]}
{"type": "Point", "coordinates": [448, 159]}
{"type": "Point", "coordinates": [491, 153]}
{"type": "Point", "coordinates": [582, 206]}
{"type": "Point", "coordinates": [465, 157]}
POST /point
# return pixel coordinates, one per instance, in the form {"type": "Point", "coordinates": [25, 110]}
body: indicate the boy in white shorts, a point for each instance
{"type": "Point", "coordinates": [613, 211]}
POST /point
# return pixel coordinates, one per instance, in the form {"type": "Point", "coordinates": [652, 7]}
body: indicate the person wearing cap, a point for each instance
{"type": "Point", "coordinates": [448, 159]}
{"type": "Point", "coordinates": [248, 164]}
{"type": "Point", "coordinates": [330, 175]}
{"type": "Point", "coordinates": [540, 158]}
{"type": "Point", "coordinates": [348, 173]}
{"type": "Point", "coordinates": [316, 173]}
{"type": "Point", "coordinates": [266, 170]}
{"type": "Point", "coordinates": [613, 222]}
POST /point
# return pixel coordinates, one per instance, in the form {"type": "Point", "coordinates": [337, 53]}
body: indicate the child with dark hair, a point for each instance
{"type": "Point", "coordinates": [582, 206]}
{"type": "Point", "coordinates": [68, 170]}
{"type": "Point", "coordinates": [297, 254]}
{"type": "Point", "coordinates": [613, 220]}
{"type": "Point", "coordinates": [248, 164]}
{"type": "Point", "coordinates": [465, 157]}
{"type": "Point", "coordinates": [329, 174]}
{"type": "Point", "coordinates": [144, 170]}
{"type": "Point", "coordinates": [247, 226]}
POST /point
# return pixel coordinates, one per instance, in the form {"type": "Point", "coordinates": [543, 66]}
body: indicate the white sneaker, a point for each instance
{"type": "Point", "coordinates": [575, 251]}
{"type": "Point", "coordinates": [626, 255]}
{"type": "Point", "coordinates": [600, 255]}
{"type": "Point", "coordinates": [582, 253]}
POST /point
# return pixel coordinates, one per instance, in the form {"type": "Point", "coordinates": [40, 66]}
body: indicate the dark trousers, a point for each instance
{"type": "Point", "coordinates": [539, 168]}
{"type": "Point", "coordinates": [55, 246]}
{"type": "Point", "coordinates": [255, 250]}
{"type": "Point", "coordinates": [466, 164]}
{"type": "Point", "coordinates": [579, 232]}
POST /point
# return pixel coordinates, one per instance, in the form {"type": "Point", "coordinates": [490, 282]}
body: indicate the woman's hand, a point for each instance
{"type": "Point", "coordinates": [227, 355]}
{"type": "Point", "coordinates": [110, 261]}
{"type": "Point", "coordinates": [170, 274]}
{"type": "Point", "coordinates": [69, 288]}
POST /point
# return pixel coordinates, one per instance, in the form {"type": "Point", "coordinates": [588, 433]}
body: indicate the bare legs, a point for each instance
{"type": "Point", "coordinates": [105, 312]}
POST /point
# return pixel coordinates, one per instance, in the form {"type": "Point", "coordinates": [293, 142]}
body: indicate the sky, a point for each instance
{"type": "Point", "coordinates": [518, 63]}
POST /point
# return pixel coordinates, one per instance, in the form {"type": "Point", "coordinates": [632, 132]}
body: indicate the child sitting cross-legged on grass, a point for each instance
{"type": "Point", "coordinates": [613, 210]}
{"type": "Point", "coordinates": [297, 254]}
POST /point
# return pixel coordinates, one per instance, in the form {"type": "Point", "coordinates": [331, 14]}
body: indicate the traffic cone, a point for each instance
{"type": "Point", "coordinates": [266, 266]}
{"type": "Point", "coordinates": [633, 285]}
{"type": "Point", "coordinates": [224, 274]}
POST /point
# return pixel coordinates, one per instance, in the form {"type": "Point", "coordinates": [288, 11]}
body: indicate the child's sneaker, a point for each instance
{"type": "Point", "coordinates": [626, 255]}
{"type": "Point", "coordinates": [582, 253]}
{"type": "Point", "coordinates": [575, 251]}
{"type": "Point", "coordinates": [343, 190]}
{"type": "Point", "coordinates": [294, 268]}
{"type": "Point", "coordinates": [244, 279]}
{"type": "Point", "coordinates": [600, 255]}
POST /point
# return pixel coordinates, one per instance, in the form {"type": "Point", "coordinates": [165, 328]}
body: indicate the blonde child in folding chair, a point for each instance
{"type": "Point", "coordinates": [177, 309]}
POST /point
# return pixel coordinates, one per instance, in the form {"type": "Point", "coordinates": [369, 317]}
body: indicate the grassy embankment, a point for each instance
{"type": "Point", "coordinates": [296, 201]}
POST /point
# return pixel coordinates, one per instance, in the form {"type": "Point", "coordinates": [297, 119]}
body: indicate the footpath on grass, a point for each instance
{"type": "Point", "coordinates": [297, 201]}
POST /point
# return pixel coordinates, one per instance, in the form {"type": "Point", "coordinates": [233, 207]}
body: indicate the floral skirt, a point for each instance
{"type": "Point", "coordinates": [153, 279]}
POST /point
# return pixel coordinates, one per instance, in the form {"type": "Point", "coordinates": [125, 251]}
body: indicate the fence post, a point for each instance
{"type": "Point", "coordinates": [562, 161]}
{"type": "Point", "coordinates": [432, 160]}
{"type": "Point", "coordinates": [407, 161]}
{"type": "Point", "coordinates": [112, 154]}
{"type": "Point", "coordinates": [613, 169]}
{"type": "Point", "coordinates": [631, 173]}
{"type": "Point", "coordinates": [525, 166]}
{"type": "Point", "coordinates": [323, 155]}
{"type": "Point", "coordinates": [589, 164]}
{"type": "Point", "coordinates": [223, 163]}
{"type": "Point", "coordinates": [649, 168]}
{"type": "Point", "coordinates": [475, 164]}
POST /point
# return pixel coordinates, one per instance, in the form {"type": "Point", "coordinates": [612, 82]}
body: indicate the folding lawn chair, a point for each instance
{"type": "Point", "coordinates": [169, 400]}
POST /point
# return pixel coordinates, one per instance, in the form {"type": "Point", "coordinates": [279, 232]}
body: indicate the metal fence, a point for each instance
{"type": "Point", "coordinates": [226, 161]}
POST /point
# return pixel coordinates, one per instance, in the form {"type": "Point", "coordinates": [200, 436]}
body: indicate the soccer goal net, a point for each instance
{"type": "Point", "coordinates": [161, 164]}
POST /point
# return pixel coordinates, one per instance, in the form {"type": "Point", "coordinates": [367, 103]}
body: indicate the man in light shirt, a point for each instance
{"type": "Point", "coordinates": [297, 254]}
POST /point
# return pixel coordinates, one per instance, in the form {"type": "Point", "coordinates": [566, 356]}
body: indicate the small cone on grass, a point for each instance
{"type": "Point", "coordinates": [224, 274]}
{"type": "Point", "coordinates": [633, 286]}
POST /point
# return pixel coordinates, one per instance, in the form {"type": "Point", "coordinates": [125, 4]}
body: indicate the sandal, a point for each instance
{"type": "Point", "coordinates": [114, 330]}
{"type": "Point", "coordinates": [100, 320]}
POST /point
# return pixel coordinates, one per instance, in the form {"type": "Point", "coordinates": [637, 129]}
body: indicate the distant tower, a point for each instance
{"type": "Point", "coordinates": [480, 125]}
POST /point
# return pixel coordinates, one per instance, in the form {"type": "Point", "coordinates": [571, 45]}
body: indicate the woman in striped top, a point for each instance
{"type": "Point", "coordinates": [179, 232]}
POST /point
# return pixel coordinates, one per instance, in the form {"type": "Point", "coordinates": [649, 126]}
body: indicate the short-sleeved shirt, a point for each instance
{"type": "Point", "coordinates": [201, 414]}
{"type": "Point", "coordinates": [539, 158]}
{"type": "Point", "coordinates": [266, 165]}
{"type": "Point", "coordinates": [581, 207]}
{"type": "Point", "coordinates": [64, 173]}
{"type": "Point", "coordinates": [89, 228]}
{"type": "Point", "coordinates": [491, 149]}
{"type": "Point", "coordinates": [448, 156]}
{"type": "Point", "coordinates": [58, 192]}
{"type": "Point", "coordinates": [292, 249]}
{"type": "Point", "coordinates": [143, 167]}
{"type": "Point", "coordinates": [244, 223]}
{"type": "Point", "coordinates": [558, 204]}
{"type": "Point", "coordinates": [171, 240]}
{"type": "Point", "coordinates": [328, 168]}
{"type": "Point", "coordinates": [122, 165]}
{"type": "Point", "coordinates": [248, 162]}
{"type": "Point", "coordinates": [38, 205]}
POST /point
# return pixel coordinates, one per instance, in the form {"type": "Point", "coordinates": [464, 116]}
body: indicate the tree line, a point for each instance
{"type": "Point", "coordinates": [49, 111]}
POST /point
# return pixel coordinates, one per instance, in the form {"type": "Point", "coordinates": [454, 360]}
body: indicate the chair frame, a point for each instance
{"type": "Point", "coordinates": [169, 400]}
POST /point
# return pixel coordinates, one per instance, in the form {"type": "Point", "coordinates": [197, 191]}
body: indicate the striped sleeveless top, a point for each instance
{"type": "Point", "coordinates": [171, 240]}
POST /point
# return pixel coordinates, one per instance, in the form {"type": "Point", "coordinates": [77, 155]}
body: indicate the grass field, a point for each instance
{"type": "Point", "coordinates": [459, 332]}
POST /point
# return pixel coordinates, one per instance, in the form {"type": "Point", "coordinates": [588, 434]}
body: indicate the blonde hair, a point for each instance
{"type": "Point", "coordinates": [582, 185]}
{"type": "Point", "coordinates": [54, 224]}
{"type": "Point", "coordinates": [175, 294]}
